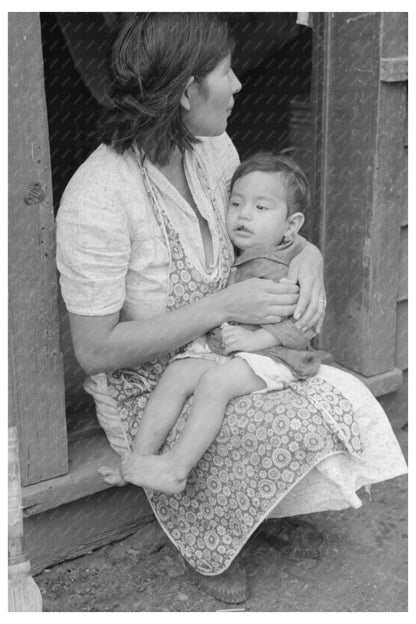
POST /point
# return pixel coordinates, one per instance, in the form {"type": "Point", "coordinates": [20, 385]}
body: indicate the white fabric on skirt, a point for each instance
{"type": "Point", "coordinates": [332, 485]}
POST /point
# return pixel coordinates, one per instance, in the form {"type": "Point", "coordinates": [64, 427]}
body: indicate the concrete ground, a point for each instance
{"type": "Point", "coordinates": [364, 567]}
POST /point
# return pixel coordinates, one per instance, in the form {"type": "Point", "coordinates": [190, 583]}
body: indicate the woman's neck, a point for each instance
{"type": "Point", "coordinates": [173, 166]}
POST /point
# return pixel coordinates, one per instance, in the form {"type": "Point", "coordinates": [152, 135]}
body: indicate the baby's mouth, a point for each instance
{"type": "Point", "coordinates": [242, 228]}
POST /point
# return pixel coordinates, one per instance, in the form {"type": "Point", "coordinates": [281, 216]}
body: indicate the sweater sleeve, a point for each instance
{"type": "Point", "coordinates": [289, 335]}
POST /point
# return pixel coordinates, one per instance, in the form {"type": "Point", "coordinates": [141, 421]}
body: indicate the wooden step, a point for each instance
{"type": "Point", "coordinates": [86, 455]}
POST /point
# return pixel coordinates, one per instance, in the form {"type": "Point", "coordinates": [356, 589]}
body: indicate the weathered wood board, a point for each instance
{"type": "Point", "coordinates": [360, 172]}
{"type": "Point", "coordinates": [36, 361]}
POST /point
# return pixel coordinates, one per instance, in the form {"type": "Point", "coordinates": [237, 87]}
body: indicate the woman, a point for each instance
{"type": "Point", "coordinates": [144, 259]}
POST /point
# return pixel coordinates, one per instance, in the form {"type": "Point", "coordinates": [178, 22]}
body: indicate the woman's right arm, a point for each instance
{"type": "Point", "coordinates": [103, 343]}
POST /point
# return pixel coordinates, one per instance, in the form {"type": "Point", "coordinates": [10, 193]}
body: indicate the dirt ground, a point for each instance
{"type": "Point", "coordinates": [364, 567]}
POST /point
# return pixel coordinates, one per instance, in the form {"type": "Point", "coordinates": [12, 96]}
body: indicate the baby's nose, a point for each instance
{"type": "Point", "coordinates": [245, 212]}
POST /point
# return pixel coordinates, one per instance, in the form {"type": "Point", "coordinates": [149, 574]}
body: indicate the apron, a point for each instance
{"type": "Point", "coordinates": [267, 443]}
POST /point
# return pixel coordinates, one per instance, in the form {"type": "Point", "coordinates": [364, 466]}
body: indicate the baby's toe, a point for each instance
{"type": "Point", "coordinates": [111, 476]}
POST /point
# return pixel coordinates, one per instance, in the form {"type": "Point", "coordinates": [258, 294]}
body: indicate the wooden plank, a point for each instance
{"type": "Point", "coordinates": [394, 48]}
{"type": "Point", "coordinates": [396, 404]}
{"type": "Point", "coordinates": [319, 102]}
{"type": "Point", "coordinates": [394, 69]}
{"type": "Point", "coordinates": [404, 211]}
{"type": "Point", "coordinates": [402, 335]}
{"type": "Point", "coordinates": [77, 528]}
{"type": "Point", "coordinates": [359, 172]}
{"type": "Point", "coordinates": [382, 384]}
{"type": "Point", "coordinates": [403, 265]}
{"type": "Point", "coordinates": [404, 191]}
{"type": "Point", "coordinates": [85, 457]}
{"type": "Point", "coordinates": [37, 368]}
{"type": "Point", "coordinates": [394, 34]}
{"type": "Point", "coordinates": [384, 241]}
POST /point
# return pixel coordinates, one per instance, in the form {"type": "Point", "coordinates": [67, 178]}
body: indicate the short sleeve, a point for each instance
{"type": "Point", "coordinates": [93, 248]}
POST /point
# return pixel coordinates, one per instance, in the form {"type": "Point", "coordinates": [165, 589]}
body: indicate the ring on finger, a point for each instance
{"type": "Point", "coordinates": [323, 301]}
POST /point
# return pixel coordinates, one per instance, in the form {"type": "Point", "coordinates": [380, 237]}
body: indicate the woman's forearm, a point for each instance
{"type": "Point", "coordinates": [306, 269]}
{"type": "Point", "coordinates": [104, 344]}
{"type": "Point", "coordinates": [162, 334]}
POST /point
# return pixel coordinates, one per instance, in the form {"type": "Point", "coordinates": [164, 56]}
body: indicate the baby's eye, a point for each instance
{"type": "Point", "coordinates": [261, 207]}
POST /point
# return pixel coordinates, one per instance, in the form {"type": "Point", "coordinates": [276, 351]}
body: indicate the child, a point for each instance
{"type": "Point", "coordinates": [268, 194]}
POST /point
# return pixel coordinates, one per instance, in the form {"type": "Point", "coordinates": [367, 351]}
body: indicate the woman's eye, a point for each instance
{"type": "Point", "coordinates": [234, 204]}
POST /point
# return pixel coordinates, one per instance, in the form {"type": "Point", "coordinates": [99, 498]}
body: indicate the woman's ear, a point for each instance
{"type": "Point", "coordinates": [294, 223]}
{"type": "Point", "coordinates": [188, 93]}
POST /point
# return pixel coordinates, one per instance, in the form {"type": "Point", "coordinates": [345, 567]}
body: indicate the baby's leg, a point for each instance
{"type": "Point", "coordinates": [216, 387]}
{"type": "Point", "coordinates": [214, 391]}
{"type": "Point", "coordinates": [176, 384]}
{"type": "Point", "coordinates": [163, 408]}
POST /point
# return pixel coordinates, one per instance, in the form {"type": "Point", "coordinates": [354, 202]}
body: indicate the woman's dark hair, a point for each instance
{"type": "Point", "coordinates": [152, 57]}
{"type": "Point", "coordinates": [295, 180]}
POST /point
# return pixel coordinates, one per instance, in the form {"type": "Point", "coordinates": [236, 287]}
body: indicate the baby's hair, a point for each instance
{"type": "Point", "coordinates": [296, 183]}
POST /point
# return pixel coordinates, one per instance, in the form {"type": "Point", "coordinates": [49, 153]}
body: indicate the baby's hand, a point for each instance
{"type": "Point", "coordinates": [236, 338]}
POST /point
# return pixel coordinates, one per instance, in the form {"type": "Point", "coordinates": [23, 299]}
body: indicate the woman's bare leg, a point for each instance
{"type": "Point", "coordinates": [165, 404]}
{"type": "Point", "coordinates": [216, 387]}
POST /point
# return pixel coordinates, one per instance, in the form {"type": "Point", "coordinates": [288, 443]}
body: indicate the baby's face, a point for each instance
{"type": "Point", "coordinates": [257, 210]}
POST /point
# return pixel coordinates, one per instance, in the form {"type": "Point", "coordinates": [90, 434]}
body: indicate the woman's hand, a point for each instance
{"type": "Point", "coordinates": [259, 301]}
{"type": "Point", "coordinates": [306, 269]}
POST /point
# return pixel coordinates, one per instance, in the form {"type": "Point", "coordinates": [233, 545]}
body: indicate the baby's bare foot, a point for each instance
{"type": "Point", "coordinates": [112, 476]}
{"type": "Point", "coordinates": [157, 472]}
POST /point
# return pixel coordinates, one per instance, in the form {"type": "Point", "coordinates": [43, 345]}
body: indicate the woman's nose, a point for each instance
{"type": "Point", "coordinates": [236, 84]}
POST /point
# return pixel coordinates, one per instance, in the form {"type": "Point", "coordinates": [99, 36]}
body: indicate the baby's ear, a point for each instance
{"type": "Point", "coordinates": [294, 223]}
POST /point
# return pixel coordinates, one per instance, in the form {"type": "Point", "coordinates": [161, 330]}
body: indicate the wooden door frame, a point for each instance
{"type": "Point", "coordinates": [359, 63]}
{"type": "Point", "coordinates": [36, 375]}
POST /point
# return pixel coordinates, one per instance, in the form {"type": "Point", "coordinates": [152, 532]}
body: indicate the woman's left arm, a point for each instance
{"type": "Point", "coordinates": [306, 269]}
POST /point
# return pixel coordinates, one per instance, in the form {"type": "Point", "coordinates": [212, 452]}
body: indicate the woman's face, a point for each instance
{"type": "Point", "coordinates": [211, 101]}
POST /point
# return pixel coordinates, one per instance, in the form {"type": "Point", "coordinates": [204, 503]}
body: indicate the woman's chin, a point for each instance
{"type": "Point", "coordinates": [213, 131]}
